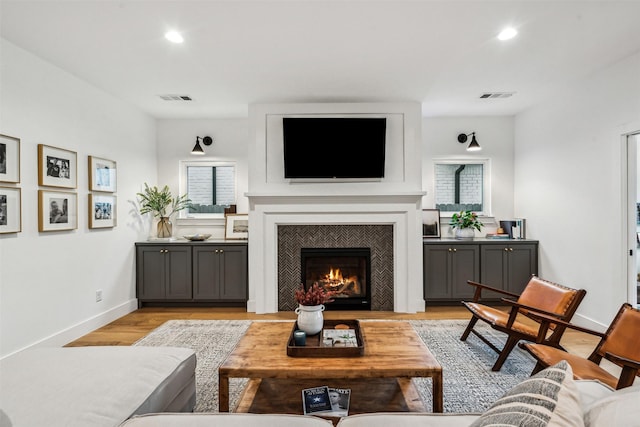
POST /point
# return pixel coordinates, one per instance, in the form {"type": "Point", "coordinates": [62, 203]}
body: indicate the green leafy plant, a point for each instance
{"type": "Point", "coordinates": [465, 219]}
{"type": "Point", "coordinates": [315, 295]}
{"type": "Point", "coordinates": [160, 202]}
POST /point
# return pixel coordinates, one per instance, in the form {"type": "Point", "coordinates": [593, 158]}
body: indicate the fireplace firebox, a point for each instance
{"type": "Point", "coordinates": [344, 271]}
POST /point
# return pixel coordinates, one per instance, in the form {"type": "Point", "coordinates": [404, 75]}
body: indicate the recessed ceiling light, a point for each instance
{"type": "Point", "coordinates": [174, 36]}
{"type": "Point", "coordinates": [507, 33]}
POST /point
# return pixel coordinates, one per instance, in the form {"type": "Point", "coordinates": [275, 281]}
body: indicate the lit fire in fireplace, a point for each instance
{"type": "Point", "coordinates": [342, 287]}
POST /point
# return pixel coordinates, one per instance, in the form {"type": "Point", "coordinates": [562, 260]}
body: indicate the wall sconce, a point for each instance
{"type": "Point", "coordinates": [473, 146]}
{"type": "Point", "coordinates": [197, 149]}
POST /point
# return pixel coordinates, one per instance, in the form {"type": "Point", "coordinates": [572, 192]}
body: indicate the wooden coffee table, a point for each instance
{"type": "Point", "coordinates": [393, 351]}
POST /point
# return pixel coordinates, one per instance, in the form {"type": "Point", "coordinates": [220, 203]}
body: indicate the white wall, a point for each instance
{"type": "Point", "coordinates": [496, 137]}
{"type": "Point", "coordinates": [568, 184]}
{"type": "Point", "coordinates": [175, 140]}
{"type": "Point", "coordinates": [48, 280]}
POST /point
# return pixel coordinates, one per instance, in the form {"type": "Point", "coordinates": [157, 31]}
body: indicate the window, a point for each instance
{"type": "Point", "coordinates": [462, 185]}
{"type": "Point", "coordinates": [211, 186]}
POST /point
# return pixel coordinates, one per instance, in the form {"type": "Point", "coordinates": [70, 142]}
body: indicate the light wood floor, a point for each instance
{"type": "Point", "coordinates": [130, 328]}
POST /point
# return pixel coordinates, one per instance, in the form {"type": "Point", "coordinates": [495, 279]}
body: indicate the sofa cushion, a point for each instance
{"type": "Point", "coordinates": [549, 398]}
{"type": "Point", "coordinates": [591, 391]}
{"type": "Point", "coordinates": [620, 408]}
{"type": "Point", "coordinates": [407, 419]}
{"type": "Point", "coordinates": [94, 386]}
{"type": "Point", "coordinates": [226, 419]}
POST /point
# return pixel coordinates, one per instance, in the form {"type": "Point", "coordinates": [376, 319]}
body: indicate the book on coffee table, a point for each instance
{"type": "Point", "coordinates": [315, 400]}
{"type": "Point", "coordinates": [326, 401]}
{"type": "Point", "coordinates": [339, 338]}
{"type": "Point", "coordinates": [339, 399]}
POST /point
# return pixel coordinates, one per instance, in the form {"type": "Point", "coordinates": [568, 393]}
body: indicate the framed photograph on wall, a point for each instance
{"type": "Point", "coordinates": [57, 210]}
{"type": "Point", "coordinates": [102, 175]}
{"type": "Point", "coordinates": [9, 159]}
{"type": "Point", "coordinates": [57, 167]}
{"type": "Point", "coordinates": [102, 210]}
{"type": "Point", "coordinates": [236, 226]}
{"type": "Point", "coordinates": [10, 210]}
{"type": "Point", "coordinates": [431, 223]}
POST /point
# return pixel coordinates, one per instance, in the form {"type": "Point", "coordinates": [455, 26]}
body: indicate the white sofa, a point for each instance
{"type": "Point", "coordinates": [579, 403]}
{"type": "Point", "coordinates": [98, 386]}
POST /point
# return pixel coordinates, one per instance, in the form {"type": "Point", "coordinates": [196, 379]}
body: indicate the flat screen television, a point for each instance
{"type": "Point", "coordinates": [328, 147]}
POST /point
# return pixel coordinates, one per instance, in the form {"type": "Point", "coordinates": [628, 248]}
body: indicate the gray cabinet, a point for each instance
{"type": "Point", "coordinates": [220, 273]}
{"type": "Point", "coordinates": [191, 273]}
{"type": "Point", "coordinates": [508, 265]}
{"type": "Point", "coordinates": [447, 269]}
{"type": "Point", "coordinates": [163, 272]}
{"type": "Point", "coordinates": [449, 263]}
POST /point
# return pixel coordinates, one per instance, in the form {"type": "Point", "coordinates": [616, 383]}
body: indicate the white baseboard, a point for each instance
{"type": "Point", "coordinates": [78, 330]}
{"type": "Point", "coordinates": [589, 323]}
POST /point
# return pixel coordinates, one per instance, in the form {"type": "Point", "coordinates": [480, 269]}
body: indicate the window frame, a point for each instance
{"type": "Point", "coordinates": [486, 182]}
{"type": "Point", "coordinates": [185, 215]}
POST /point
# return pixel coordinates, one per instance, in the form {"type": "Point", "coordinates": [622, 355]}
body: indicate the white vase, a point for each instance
{"type": "Point", "coordinates": [310, 318]}
{"type": "Point", "coordinates": [465, 233]}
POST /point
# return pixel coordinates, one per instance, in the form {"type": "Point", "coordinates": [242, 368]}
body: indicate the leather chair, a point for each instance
{"type": "Point", "coordinates": [541, 302]}
{"type": "Point", "coordinates": [619, 344]}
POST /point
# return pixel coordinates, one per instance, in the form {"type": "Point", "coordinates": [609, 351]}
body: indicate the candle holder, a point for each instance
{"type": "Point", "coordinates": [300, 338]}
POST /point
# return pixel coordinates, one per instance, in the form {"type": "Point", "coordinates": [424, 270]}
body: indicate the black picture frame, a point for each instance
{"type": "Point", "coordinates": [431, 223]}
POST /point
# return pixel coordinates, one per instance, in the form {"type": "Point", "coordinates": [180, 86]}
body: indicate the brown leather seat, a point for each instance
{"type": "Point", "coordinates": [542, 302]}
{"type": "Point", "coordinates": [619, 344]}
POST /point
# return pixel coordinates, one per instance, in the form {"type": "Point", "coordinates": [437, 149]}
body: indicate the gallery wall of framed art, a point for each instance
{"type": "Point", "coordinates": [10, 210]}
{"type": "Point", "coordinates": [57, 210]}
{"type": "Point", "coordinates": [9, 159]}
{"type": "Point", "coordinates": [10, 196]}
{"type": "Point", "coordinates": [102, 210]}
{"type": "Point", "coordinates": [57, 167]}
{"type": "Point", "coordinates": [103, 182]}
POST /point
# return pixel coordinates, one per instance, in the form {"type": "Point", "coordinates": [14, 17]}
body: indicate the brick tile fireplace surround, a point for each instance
{"type": "Point", "coordinates": [379, 238]}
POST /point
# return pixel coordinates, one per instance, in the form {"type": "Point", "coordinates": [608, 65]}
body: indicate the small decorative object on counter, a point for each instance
{"type": "Point", "coordinates": [464, 224]}
{"type": "Point", "coordinates": [300, 337]}
{"type": "Point", "coordinates": [162, 205]}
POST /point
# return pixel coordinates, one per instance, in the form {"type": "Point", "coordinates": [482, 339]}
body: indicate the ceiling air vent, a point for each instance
{"type": "Point", "coordinates": [489, 95]}
{"type": "Point", "coordinates": [176, 97]}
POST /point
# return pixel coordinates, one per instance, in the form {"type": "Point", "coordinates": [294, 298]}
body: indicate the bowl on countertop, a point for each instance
{"type": "Point", "coordinates": [197, 237]}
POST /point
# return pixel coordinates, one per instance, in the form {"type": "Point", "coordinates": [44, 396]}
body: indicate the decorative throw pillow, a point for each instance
{"type": "Point", "coordinates": [549, 398]}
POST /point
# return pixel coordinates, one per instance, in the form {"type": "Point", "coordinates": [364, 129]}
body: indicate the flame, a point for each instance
{"type": "Point", "coordinates": [335, 276]}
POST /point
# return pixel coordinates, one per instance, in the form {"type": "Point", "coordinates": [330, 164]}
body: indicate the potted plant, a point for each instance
{"type": "Point", "coordinates": [310, 307]}
{"type": "Point", "coordinates": [464, 224]}
{"type": "Point", "coordinates": [162, 205]}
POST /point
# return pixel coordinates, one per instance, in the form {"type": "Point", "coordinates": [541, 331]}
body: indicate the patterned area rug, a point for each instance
{"type": "Point", "coordinates": [469, 383]}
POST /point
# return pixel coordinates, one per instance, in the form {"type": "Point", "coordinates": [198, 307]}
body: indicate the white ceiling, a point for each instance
{"type": "Point", "coordinates": [443, 54]}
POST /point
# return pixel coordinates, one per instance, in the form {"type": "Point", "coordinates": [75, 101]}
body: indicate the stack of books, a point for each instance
{"type": "Point", "coordinates": [497, 236]}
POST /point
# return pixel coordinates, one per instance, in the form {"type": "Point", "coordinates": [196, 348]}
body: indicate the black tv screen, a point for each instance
{"type": "Point", "coordinates": [334, 147]}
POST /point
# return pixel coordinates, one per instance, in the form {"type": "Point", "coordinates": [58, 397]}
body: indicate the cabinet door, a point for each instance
{"type": "Point", "coordinates": [494, 268]}
{"type": "Point", "coordinates": [233, 273]}
{"type": "Point", "coordinates": [437, 272]}
{"type": "Point", "coordinates": [465, 265]}
{"type": "Point", "coordinates": [206, 277]}
{"type": "Point", "coordinates": [178, 272]}
{"type": "Point", "coordinates": [523, 262]}
{"type": "Point", "coordinates": [150, 272]}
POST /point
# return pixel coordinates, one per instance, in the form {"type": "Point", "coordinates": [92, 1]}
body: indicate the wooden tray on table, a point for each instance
{"type": "Point", "coordinates": [316, 346]}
